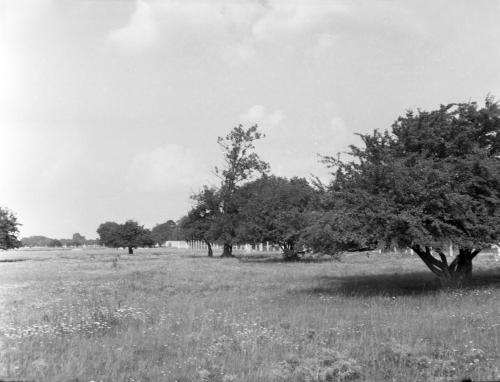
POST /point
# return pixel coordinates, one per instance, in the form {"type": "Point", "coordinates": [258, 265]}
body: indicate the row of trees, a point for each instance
{"type": "Point", "coordinates": [130, 235]}
{"type": "Point", "coordinates": [268, 209]}
{"type": "Point", "coordinates": [432, 179]}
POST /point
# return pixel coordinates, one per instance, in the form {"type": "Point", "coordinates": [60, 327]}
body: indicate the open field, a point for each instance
{"type": "Point", "coordinates": [167, 315]}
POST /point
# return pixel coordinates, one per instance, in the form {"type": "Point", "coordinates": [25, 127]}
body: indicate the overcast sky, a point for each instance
{"type": "Point", "coordinates": [110, 110]}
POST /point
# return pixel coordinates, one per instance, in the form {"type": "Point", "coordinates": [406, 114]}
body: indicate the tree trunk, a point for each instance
{"type": "Point", "coordinates": [130, 250]}
{"type": "Point", "coordinates": [458, 272]}
{"type": "Point", "coordinates": [289, 253]}
{"type": "Point", "coordinates": [227, 250]}
{"type": "Point", "coordinates": [462, 265]}
{"type": "Point", "coordinates": [209, 246]}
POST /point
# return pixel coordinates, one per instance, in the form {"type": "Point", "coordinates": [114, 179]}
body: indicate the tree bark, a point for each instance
{"type": "Point", "coordinates": [209, 246]}
{"type": "Point", "coordinates": [130, 250]}
{"type": "Point", "coordinates": [289, 252]}
{"type": "Point", "coordinates": [227, 250]}
{"type": "Point", "coordinates": [462, 264]}
{"type": "Point", "coordinates": [458, 272]}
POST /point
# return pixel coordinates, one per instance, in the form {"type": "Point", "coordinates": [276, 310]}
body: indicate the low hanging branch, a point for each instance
{"type": "Point", "coordinates": [437, 267]}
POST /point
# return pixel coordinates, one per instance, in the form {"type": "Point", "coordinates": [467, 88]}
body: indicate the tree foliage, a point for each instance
{"type": "Point", "coordinates": [200, 222]}
{"type": "Point", "coordinates": [166, 231]}
{"type": "Point", "coordinates": [275, 209]}
{"type": "Point", "coordinates": [434, 178]}
{"type": "Point", "coordinates": [8, 229]}
{"type": "Point", "coordinates": [78, 240]}
{"type": "Point", "coordinates": [130, 235]}
{"type": "Point", "coordinates": [214, 216]}
{"type": "Point", "coordinates": [54, 243]}
{"type": "Point", "coordinates": [241, 164]}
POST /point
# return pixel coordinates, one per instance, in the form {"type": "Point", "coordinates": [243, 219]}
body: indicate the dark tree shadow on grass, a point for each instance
{"type": "Point", "coordinates": [397, 284]}
{"type": "Point", "coordinates": [280, 259]}
{"type": "Point", "coordinates": [11, 261]}
{"type": "Point", "coordinates": [266, 258]}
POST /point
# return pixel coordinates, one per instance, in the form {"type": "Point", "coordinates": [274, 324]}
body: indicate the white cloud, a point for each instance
{"type": "Point", "coordinates": [258, 114]}
{"type": "Point", "coordinates": [338, 125]}
{"type": "Point", "coordinates": [324, 44]}
{"type": "Point", "coordinates": [296, 16]}
{"type": "Point", "coordinates": [331, 138]}
{"type": "Point", "coordinates": [233, 28]}
{"type": "Point", "coordinates": [171, 167]}
{"type": "Point", "coordinates": [139, 32]}
{"type": "Point", "coordinates": [239, 53]}
{"type": "Point", "coordinates": [237, 30]}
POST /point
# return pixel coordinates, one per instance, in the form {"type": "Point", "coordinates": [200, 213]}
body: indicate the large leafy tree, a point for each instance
{"type": "Point", "coordinates": [199, 223]}
{"type": "Point", "coordinates": [433, 179]}
{"type": "Point", "coordinates": [241, 164]}
{"type": "Point", "coordinates": [276, 209]}
{"type": "Point", "coordinates": [8, 229]}
{"type": "Point", "coordinates": [130, 235]}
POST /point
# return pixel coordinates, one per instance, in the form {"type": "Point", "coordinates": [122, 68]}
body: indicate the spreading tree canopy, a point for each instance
{"type": "Point", "coordinates": [432, 180]}
{"type": "Point", "coordinates": [8, 229]}
{"type": "Point", "coordinates": [130, 235]}
{"type": "Point", "coordinates": [275, 209]}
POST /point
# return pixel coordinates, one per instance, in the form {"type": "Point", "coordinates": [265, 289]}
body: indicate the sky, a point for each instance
{"type": "Point", "coordinates": [110, 109]}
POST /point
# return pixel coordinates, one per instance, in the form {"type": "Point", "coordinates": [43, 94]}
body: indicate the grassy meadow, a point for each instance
{"type": "Point", "coordinates": [176, 315]}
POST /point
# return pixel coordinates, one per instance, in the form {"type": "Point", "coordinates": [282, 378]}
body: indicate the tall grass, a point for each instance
{"type": "Point", "coordinates": [164, 315]}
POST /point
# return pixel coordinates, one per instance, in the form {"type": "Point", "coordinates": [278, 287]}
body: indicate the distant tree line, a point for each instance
{"type": "Point", "coordinates": [77, 240]}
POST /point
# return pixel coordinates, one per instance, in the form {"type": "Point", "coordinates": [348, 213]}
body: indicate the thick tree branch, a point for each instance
{"type": "Point", "coordinates": [438, 271]}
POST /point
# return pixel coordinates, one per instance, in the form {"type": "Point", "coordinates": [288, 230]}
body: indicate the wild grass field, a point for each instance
{"type": "Point", "coordinates": [176, 315]}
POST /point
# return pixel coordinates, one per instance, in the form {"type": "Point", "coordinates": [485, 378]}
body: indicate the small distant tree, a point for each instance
{"type": "Point", "coordinates": [8, 229]}
{"type": "Point", "coordinates": [276, 209]}
{"type": "Point", "coordinates": [164, 232]}
{"type": "Point", "coordinates": [130, 235]}
{"type": "Point", "coordinates": [78, 240]}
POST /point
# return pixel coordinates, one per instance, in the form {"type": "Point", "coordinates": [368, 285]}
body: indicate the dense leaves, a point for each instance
{"type": "Point", "coordinates": [200, 223]}
{"type": "Point", "coordinates": [8, 229]}
{"type": "Point", "coordinates": [130, 235]}
{"type": "Point", "coordinates": [432, 179]}
{"type": "Point", "coordinates": [275, 209]}
{"type": "Point", "coordinates": [166, 231]}
{"type": "Point", "coordinates": [214, 216]}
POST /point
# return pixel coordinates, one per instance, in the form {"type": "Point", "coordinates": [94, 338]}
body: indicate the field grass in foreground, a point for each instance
{"type": "Point", "coordinates": [166, 315]}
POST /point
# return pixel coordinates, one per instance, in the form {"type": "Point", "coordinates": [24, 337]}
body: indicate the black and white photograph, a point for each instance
{"type": "Point", "coordinates": [249, 191]}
